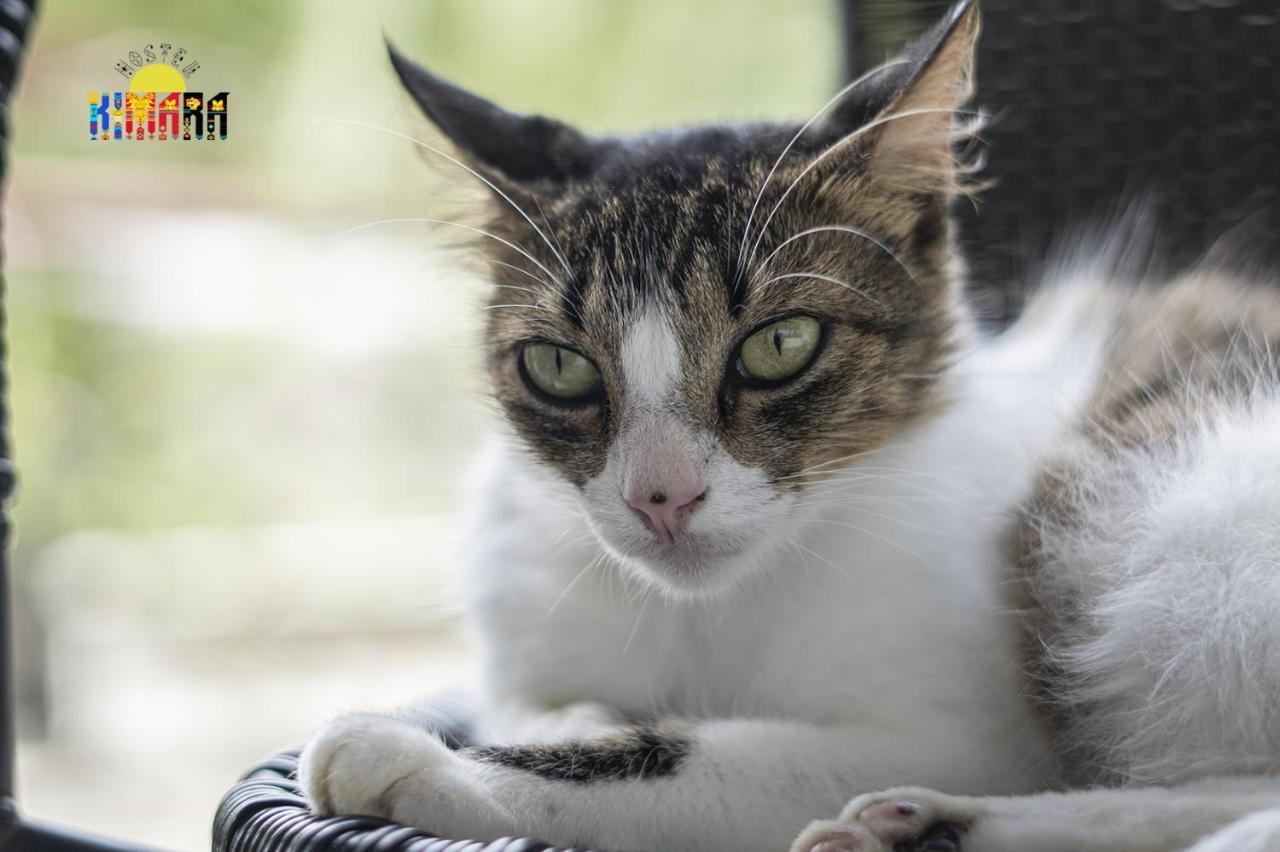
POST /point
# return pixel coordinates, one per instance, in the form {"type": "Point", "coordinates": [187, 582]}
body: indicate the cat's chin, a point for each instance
{"type": "Point", "coordinates": [688, 570]}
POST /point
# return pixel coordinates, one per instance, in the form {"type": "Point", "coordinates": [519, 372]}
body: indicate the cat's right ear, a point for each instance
{"type": "Point", "coordinates": [915, 114]}
{"type": "Point", "coordinates": [523, 149]}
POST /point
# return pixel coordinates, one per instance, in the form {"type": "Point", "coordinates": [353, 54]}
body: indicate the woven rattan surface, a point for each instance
{"type": "Point", "coordinates": [265, 812]}
{"type": "Point", "coordinates": [16, 18]}
{"type": "Point", "coordinates": [1101, 103]}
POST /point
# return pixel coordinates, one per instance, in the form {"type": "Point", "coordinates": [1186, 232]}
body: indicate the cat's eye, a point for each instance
{"type": "Point", "coordinates": [779, 350]}
{"type": "Point", "coordinates": [559, 372]}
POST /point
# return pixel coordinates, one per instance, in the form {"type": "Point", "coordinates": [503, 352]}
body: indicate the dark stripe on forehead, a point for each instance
{"type": "Point", "coordinates": [737, 281]}
{"type": "Point", "coordinates": [704, 216]}
{"type": "Point", "coordinates": [572, 296]}
{"type": "Point", "coordinates": [658, 234]}
{"type": "Point", "coordinates": [895, 331]}
{"type": "Point", "coordinates": [574, 236]}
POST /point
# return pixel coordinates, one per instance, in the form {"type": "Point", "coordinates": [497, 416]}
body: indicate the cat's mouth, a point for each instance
{"type": "Point", "coordinates": [690, 536]}
{"type": "Point", "coordinates": [686, 565]}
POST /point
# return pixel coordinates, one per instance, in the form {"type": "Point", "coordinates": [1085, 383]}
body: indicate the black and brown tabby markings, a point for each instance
{"type": "Point", "coordinates": [698, 227]}
{"type": "Point", "coordinates": [639, 753]}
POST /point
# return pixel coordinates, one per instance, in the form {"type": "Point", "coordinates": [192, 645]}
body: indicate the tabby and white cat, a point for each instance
{"type": "Point", "coordinates": [769, 525]}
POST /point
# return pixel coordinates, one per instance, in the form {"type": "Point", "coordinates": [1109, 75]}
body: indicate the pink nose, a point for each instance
{"type": "Point", "coordinates": [666, 511]}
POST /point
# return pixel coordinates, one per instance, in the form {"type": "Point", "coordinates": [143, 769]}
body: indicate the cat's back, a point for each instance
{"type": "Point", "coordinates": [1198, 349]}
{"type": "Point", "coordinates": [1151, 541]}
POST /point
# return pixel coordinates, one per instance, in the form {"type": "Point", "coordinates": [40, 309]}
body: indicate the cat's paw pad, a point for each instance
{"type": "Point", "coordinates": [912, 819]}
{"type": "Point", "coordinates": [837, 836]}
{"type": "Point", "coordinates": [386, 767]}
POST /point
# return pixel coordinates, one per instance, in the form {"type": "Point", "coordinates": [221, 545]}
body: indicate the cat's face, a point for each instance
{"type": "Point", "coordinates": [692, 328]}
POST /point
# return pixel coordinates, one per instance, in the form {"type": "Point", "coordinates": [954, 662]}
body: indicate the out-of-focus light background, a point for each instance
{"type": "Point", "coordinates": [242, 443]}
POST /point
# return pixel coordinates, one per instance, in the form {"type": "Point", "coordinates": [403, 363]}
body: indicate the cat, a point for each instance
{"type": "Point", "coordinates": [768, 524]}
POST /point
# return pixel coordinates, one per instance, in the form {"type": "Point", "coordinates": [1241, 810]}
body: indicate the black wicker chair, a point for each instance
{"type": "Point", "coordinates": [1094, 103]}
{"type": "Point", "coordinates": [19, 832]}
{"type": "Point", "coordinates": [266, 812]}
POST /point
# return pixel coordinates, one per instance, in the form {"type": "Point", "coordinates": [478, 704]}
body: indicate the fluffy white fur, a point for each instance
{"type": "Point", "coordinates": [857, 641]}
{"type": "Point", "coordinates": [1177, 564]}
{"type": "Point", "coordinates": [1239, 815]}
{"type": "Point", "coordinates": [1182, 554]}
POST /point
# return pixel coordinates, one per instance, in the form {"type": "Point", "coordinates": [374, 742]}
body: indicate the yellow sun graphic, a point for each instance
{"type": "Point", "coordinates": [157, 77]}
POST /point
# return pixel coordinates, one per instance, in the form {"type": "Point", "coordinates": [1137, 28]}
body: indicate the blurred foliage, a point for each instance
{"type": "Point", "coordinates": [610, 65]}
{"type": "Point", "coordinates": [97, 411]}
{"type": "Point", "coordinates": [118, 426]}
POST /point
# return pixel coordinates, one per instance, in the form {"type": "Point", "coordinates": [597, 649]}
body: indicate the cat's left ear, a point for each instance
{"type": "Point", "coordinates": [910, 137]}
{"type": "Point", "coordinates": [523, 149]}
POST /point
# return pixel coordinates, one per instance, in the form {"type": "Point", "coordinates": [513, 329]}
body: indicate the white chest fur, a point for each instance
{"type": "Point", "coordinates": [880, 604]}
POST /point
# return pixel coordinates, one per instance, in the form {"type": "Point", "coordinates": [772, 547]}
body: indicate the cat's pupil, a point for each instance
{"type": "Point", "coordinates": [559, 365]}
{"type": "Point", "coordinates": [777, 340]}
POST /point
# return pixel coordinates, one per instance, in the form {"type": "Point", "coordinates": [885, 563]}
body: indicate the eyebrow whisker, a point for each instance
{"type": "Point", "coordinates": [544, 282]}
{"type": "Point", "coordinates": [475, 174]}
{"type": "Point", "coordinates": [746, 231]}
{"type": "Point", "coordinates": [482, 232]}
{"type": "Point", "coordinates": [525, 305]}
{"type": "Point", "coordinates": [838, 145]}
{"type": "Point", "coordinates": [844, 230]}
{"type": "Point", "coordinates": [845, 284]}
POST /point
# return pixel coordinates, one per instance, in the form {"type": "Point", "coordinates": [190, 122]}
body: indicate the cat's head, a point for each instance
{"type": "Point", "coordinates": [691, 327]}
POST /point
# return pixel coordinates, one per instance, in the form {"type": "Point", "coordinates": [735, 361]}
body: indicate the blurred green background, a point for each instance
{"type": "Point", "coordinates": [242, 443]}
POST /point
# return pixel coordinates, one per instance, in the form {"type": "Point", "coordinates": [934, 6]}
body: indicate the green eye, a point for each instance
{"type": "Point", "coordinates": [780, 350]}
{"type": "Point", "coordinates": [559, 372]}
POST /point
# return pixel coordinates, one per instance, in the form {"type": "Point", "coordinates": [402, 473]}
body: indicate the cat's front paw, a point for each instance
{"type": "Point", "coordinates": [906, 819]}
{"type": "Point", "coordinates": [386, 767]}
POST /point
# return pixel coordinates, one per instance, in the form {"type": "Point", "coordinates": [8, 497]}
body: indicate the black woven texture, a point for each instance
{"type": "Point", "coordinates": [266, 812]}
{"type": "Point", "coordinates": [16, 17]}
{"type": "Point", "coordinates": [1096, 103]}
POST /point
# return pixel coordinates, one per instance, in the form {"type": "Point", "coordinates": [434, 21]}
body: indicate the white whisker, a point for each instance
{"type": "Point", "coordinates": [839, 144]}
{"type": "Point", "coordinates": [838, 96]}
{"type": "Point", "coordinates": [827, 463]}
{"type": "Point", "coordinates": [516, 305]}
{"type": "Point", "coordinates": [635, 628]}
{"type": "Point", "coordinates": [845, 284]}
{"type": "Point", "coordinates": [595, 561]}
{"type": "Point", "coordinates": [469, 171]}
{"type": "Point", "coordinates": [481, 231]}
{"type": "Point", "coordinates": [839, 229]}
{"type": "Point", "coordinates": [528, 290]}
{"type": "Point", "coordinates": [883, 538]}
{"type": "Point", "coordinates": [544, 282]}
{"type": "Point", "coordinates": [573, 278]}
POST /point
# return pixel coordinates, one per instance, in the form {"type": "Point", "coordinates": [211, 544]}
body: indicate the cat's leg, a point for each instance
{"type": "Point", "coordinates": [709, 786]}
{"type": "Point", "coordinates": [401, 735]}
{"type": "Point", "coordinates": [1236, 814]}
{"type": "Point", "coordinates": [365, 763]}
